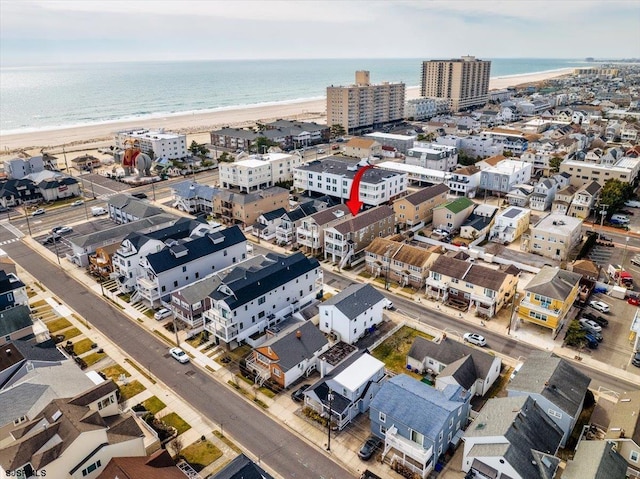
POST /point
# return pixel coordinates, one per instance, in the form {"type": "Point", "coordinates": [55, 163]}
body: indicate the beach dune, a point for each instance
{"type": "Point", "coordinates": [198, 125]}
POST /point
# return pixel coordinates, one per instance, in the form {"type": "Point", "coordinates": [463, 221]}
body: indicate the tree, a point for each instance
{"type": "Point", "coordinates": [507, 154]}
{"type": "Point", "coordinates": [554, 164]}
{"type": "Point", "coordinates": [225, 158]}
{"type": "Point", "coordinates": [337, 131]}
{"type": "Point", "coordinates": [176, 446]}
{"type": "Point", "coordinates": [197, 149]}
{"type": "Point", "coordinates": [262, 144]}
{"type": "Point", "coordinates": [614, 193]}
{"type": "Point", "coordinates": [575, 335]}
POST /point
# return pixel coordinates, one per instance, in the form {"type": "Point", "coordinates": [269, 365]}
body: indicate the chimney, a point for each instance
{"type": "Point", "coordinates": [299, 334]}
{"type": "Point", "coordinates": [8, 351]}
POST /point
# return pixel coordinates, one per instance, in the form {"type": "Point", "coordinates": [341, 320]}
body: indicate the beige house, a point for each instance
{"type": "Point", "coordinates": [555, 235]}
{"type": "Point", "coordinates": [465, 285]}
{"type": "Point", "coordinates": [362, 148]}
{"type": "Point", "coordinates": [563, 199]}
{"type": "Point", "coordinates": [399, 262]}
{"type": "Point", "coordinates": [418, 207]}
{"type": "Point", "coordinates": [310, 233]}
{"type": "Point", "coordinates": [450, 215]}
{"type": "Point", "coordinates": [245, 209]}
{"type": "Point", "coordinates": [345, 241]}
{"type": "Point", "coordinates": [584, 200]}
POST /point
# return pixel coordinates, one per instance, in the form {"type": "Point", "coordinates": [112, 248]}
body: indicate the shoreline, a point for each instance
{"type": "Point", "coordinates": [201, 123]}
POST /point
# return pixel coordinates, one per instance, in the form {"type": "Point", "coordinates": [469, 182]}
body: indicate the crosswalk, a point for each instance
{"type": "Point", "coordinates": [12, 240]}
{"type": "Point", "coordinates": [13, 230]}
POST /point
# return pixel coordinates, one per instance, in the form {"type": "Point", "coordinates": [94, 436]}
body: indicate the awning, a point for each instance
{"type": "Point", "coordinates": [483, 469]}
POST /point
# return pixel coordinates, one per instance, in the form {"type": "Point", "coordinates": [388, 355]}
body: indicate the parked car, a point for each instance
{"type": "Point", "coordinates": [179, 355]}
{"type": "Point", "coordinates": [592, 342]}
{"type": "Point", "coordinates": [161, 314]}
{"type": "Point", "coordinates": [635, 360]}
{"type": "Point", "coordinates": [39, 211]}
{"type": "Point", "coordinates": [635, 260]}
{"type": "Point", "coordinates": [370, 446]}
{"type": "Point", "coordinates": [605, 238]}
{"type": "Point", "coordinates": [388, 304]}
{"type": "Point", "coordinates": [590, 325]}
{"type": "Point", "coordinates": [61, 230]}
{"type": "Point", "coordinates": [634, 301]}
{"type": "Point", "coordinates": [298, 394]}
{"type": "Point", "coordinates": [601, 320]}
{"type": "Point", "coordinates": [320, 150]}
{"type": "Point", "coordinates": [600, 306]}
{"type": "Point", "coordinates": [52, 239]}
{"type": "Point", "coordinates": [475, 338]}
{"type": "Point", "coordinates": [77, 203]}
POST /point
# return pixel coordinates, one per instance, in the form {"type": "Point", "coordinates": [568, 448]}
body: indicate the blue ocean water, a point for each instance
{"type": "Point", "coordinates": [51, 97]}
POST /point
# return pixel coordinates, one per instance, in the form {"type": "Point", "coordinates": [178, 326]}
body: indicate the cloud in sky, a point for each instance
{"type": "Point", "coordinates": [57, 31]}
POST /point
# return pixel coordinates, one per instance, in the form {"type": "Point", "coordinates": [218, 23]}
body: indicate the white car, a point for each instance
{"type": "Point", "coordinates": [635, 260]}
{"type": "Point", "coordinates": [161, 314]}
{"type": "Point", "coordinates": [39, 211]}
{"type": "Point", "coordinates": [61, 230]}
{"type": "Point", "coordinates": [77, 203]}
{"type": "Point", "coordinates": [475, 338]}
{"type": "Point", "coordinates": [388, 304]}
{"type": "Point", "coordinates": [179, 355]}
{"type": "Point", "coordinates": [590, 325]}
{"type": "Point", "coordinates": [600, 306]}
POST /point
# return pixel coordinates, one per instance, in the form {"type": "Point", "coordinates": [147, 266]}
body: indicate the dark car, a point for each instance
{"type": "Point", "coordinates": [592, 342]}
{"type": "Point", "coordinates": [370, 446]}
{"type": "Point", "coordinates": [600, 320]}
{"type": "Point", "coordinates": [298, 394]}
{"type": "Point", "coordinates": [52, 239]}
{"type": "Point", "coordinates": [635, 360]}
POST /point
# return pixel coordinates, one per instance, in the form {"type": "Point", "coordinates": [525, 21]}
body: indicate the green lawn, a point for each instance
{"type": "Point", "coordinates": [393, 351]}
{"type": "Point", "coordinates": [127, 391]}
{"type": "Point", "coordinates": [71, 333]}
{"type": "Point", "coordinates": [153, 405]}
{"type": "Point", "coordinates": [58, 324]}
{"type": "Point", "coordinates": [176, 421]}
{"type": "Point", "coordinates": [93, 358]}
{"type": "Point", "coordinates": [114, 372]}
{"type": "Point", "coordinates": [200, 454]}
{"type": "Point", "coordinates": [82, 346]}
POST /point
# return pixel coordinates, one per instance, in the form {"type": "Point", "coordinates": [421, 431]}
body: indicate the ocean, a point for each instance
{"type": "Point", "coordinates": [53, 97]}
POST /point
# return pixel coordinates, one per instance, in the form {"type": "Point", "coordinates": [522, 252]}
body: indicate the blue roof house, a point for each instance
{"type": "Point", "coordinates": [418, 422]}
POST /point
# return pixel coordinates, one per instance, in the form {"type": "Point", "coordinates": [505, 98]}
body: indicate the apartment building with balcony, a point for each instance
{"type": "Point", "coordinates": [291, 220]}
{"type": "Point", "coordinates": [156, 143]}
{"type": "Point", "coordinates": [405, 264]}
{"type": "Point", "coordinates": [310, 233]}
{"type": "Point", "coordinates": [584, 200]}
{"type": "Point", "coordinates": [433, 156]}
{"type": "Point", "coordinates": [555, 236]}
{"type": "Point", "coordinates": [362, 147]}
{"type": "Point", "coordinates": [543, 193]}
{"type": "Point", "coordinates": [499, 179]}
{"type": "Point", "coordinates": [344, 242]}
{"type": "Point", "coordinates": [364, 105]}
{"type": "Point", "coordinates": [182, 263]}
{"type": "Point", "coordinates": [334, 177]}
{"type": "Point", "coordinates": [426, 108]}
{"type": "Point", "coordinates": [510, 224]}
{"type": "Point", "coordinates": [416, 208]}
{"type": "Point", "coordinates": [250, 300]}
{"type": "Point", "coordinates": [467, 285]}
{"type": "Point", "coordinates": [259, 171]}
{"type": "Point", "coordinates": [464, 181]}
{"type": "Point", "coordinates": [244, 209]}
{"type": "Point", "coordinates": [515, 141]}
{"type": "Point", "coordinates": [549, 297]}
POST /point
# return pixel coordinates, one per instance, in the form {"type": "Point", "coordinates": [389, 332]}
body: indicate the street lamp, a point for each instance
{"type": "Point", "coordinates": [27, 218]}
{"type": "Point", "coordinates": [330, 398]}
{"type": "Point", "coordinates": [624, 254]}
{"type": "Point", "coordinates": [175, 330]}
{"type": "Point", "coordinates": [55, 247]}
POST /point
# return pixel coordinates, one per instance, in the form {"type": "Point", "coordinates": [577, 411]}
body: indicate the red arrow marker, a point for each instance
{"type": "Point", "coordinates": [353, 203]}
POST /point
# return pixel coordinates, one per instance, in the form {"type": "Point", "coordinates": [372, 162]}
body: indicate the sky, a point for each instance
{"type": "Point", "coordinates": [34, 32]}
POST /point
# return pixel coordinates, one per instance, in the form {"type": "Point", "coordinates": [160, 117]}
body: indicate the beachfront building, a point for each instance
{"type": "Point", "coordinates": [433, 156]}
{"type": "Point", "coordinates": [155, 143]}
{"type": "Point", "coordinates": [416, 174]}
{"type": "Point", "coordinates": [499, 179]}
{"type": "Point", "coordinates": [400, 143]}
{"type": "Point", "coordinates": [426, 108]}
{"type": "Point", "coordinates": [417, 208]}
{"type": "Point", "coordinates": [362, 105]}
{"type": "Point", "coordinates": [555, 235]}
{"type": "Point", "coordinates": [334, 176]}
{"type": "Point", "coordinates": [259, 171]}
{"type": "Point", "coordinates": [464, 81]}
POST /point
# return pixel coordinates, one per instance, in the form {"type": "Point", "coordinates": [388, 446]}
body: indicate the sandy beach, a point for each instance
{"type": "Point", "coordinates": [197, 126]}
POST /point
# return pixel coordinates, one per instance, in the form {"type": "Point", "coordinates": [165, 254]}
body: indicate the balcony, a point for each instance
{"type": "Point", "coordinates": [540, 308]}
{"type": "Point", "coordinates": [485, 300]}
{"type": "Point", "coordinates": [409, 448]}
{"type": "Point", "coordinates": [148, 289]}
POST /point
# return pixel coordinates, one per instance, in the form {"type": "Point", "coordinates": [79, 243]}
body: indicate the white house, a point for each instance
{"type": "Point", "coordinates": [543, 194]}
{"type": "Point", "coordinates": [464, 181]}
{"type": "Point", "coordinates": [510, 224]}
{"type": "Point", "coordinates": [162, 144]}
{"type": "Point", "coordinates": [350, 314]}
{"type": "Point", "coordinates": [506, 173]}
{"type": "Point", "coordinates": [259, 171]}
{"type": "Point", "coordinates": [432, 156]}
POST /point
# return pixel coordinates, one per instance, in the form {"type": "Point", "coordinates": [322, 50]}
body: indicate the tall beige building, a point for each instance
{"type": "Point", "coordinates": [362, 105]}
{"type": "Point", "coordinates": [465, 82]}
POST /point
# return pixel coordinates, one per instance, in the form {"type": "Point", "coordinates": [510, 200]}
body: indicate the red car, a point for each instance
{"type": "Point", "coordinates": [634, 301]}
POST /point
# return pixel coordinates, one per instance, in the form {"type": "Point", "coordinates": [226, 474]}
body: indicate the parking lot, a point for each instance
{"type": "Point", "coordinates": [63, 246]}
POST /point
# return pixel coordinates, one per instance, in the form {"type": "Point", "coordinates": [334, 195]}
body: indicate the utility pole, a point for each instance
{"type": "Point", "coordinates": [27, 218]}
{"type": "Point", "coordinates": [513, 308]}
{"type": "Point", "coordinates": [603, 212]}
{"type": "Point", "coordinates": [330, 398]}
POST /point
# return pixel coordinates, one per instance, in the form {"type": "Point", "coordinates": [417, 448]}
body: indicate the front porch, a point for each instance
{"type": "Point", "coordinates": [408, 454]}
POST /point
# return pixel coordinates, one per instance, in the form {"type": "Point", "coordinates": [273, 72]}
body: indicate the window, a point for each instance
{"type": "Point", "coordinates": [276, 372]}
{"type": "Point", "coordinates": [417, 437]}
{"type": "Point", "coordinates": [440, 437]}
{"type": "Point", "coordinates": [261, 300]}
{"type": "Point", "coordinates": [554, 413]}
{"type": "Point", "coordinates": [382, 416]}
{"type": "Point", "coordinates": [634, 456]}
{"type": "Point", "coordinates": [184, 269]}
{"type": "Point", "coordinates": [383, 430]}
{"type": "Point", "coordinates": [91, 468]}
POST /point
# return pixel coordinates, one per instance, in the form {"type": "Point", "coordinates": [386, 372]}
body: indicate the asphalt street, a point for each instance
{"type": "Point", "coordinates": [272, 443]}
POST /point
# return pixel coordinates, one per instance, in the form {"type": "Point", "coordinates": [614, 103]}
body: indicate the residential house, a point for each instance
{"type": "Point", "coordinates": [352, 313]}
{"type": "Point", "coordinates": [433, 156]}
{"type": "Point", "coordinates": [288, 355]}
{"type": "Point", "coordinates": [15, 323]}
{"type": "Point", "coordinates": [548, 297]}
{"type": "Point", "coordinates": [453, 362]}
{"type": "Point", "coordinates": [59, 187]}
{"type": "Point", "coordinates": [181, 263]}
{"type": "Point", "coordinates": [257, 172]}
{"type": "Point", "coordinates": [510, 224]}
{"type": "Point", "coordinates": [125, 208]}
{"type": "Point", "coordinates": [555, 385]}
{"type": "Point", "coordinates": [241, 467]}
{"type": "Point", "coordinates": [511, 140]}
{"type": "Point", "coordinates": [72, 438]}
{"type": "Point", "coordinates": [584, 200]}
{"type": "Point", "coordinates": [13, 291]}
{"type": "Point", "coordinates": [563, 199]}
{"type": "Point", "coordinates": [288, 134]}
{"type": "Point", "coordinates": [19, 192]}
{"type": "Point", "coordinates": [310, 233]}
{"type": "Point", "coordinates": [101, 262]}
{"type": "Point", "coordinates": [449, 216]}
{"type": "Point", "coordinates": [334, 177]}
{"type": "Point", "coordinates": [585, 268]}
{"type": "Point", "coordinates": [192, 197]}
{"type": "Point", "coordinates": [555, 236]}
{"type": "Point", "coordinates": [405, 264]}
{"type": "Point", "coordinates": [267, 223]}
{"type": "Point", "coordinates": [290, 221]}
{"type": "Point", "coordinates": [345, 241]}
{"type": "Point", "coordinates": [417, 208]}
{"type": "Point", "coordinates": [479, 222]}
{"type": "Point", "coordinates": [400, 143]}
{"type": "Point", "coordinates": [18, 168]}
{"type": "Point", "coordinates": [539, 160]}
{"type": "Point", "coordinates": [499, 179]}
{"type": "Point", "coordinates": [596, 460]}
{"type": "Point", "coordinates": [359, 147]}
{"type": "Point", "coordinates": [244, 209]}
{"type": "Point", "coordinates": [466, 285]}
{"type": "Point", "coordinates": [543, 194]}
{"type": "Point", "coordinates": [250, 300]}
{"type": "Point", "coordinates": [464, 181]}
{"type": "Point", "coordinates": [347, 390]}
{"type": "Point", "coordinates": [418, 422]}
{"type": "Point", "coordinates": [520, 195]}
{"type": "Point", "coordinates": [512, 438]}
{"type": "Point", "coordinates": [158, 465]}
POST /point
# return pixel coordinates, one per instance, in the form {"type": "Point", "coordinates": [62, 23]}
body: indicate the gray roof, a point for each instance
{"type": "Point", "coordinates": [191, 189]}
{"type": "Point", "coordinates": [64, 378]}
{"type": "Point", "coordinates": [355, 299]}
{"type": "Point", "coordinates": [14, 319]}
{"type": "Point", "coordinates": [24, 400]}
{"type": "Point", "coordinates": [596, 460]}
{"type": "Point", "coordinates": [325, 216]}
{"type": "Point", "coordinates": [347, 169]}
{"type": "Point", "coordinates": [299, 343]}
{"type": "Point", "coordinates": [555, 379]}
{"type": "Point", "coordinates": [242, 468]}
{"type": "Point", "coordinates": [401, 396]}
{"type": "Point", "coordinates": [135, 207]}
{"type": "Point", "coordinates": [365, 219]}
{"type": "Point", "coordinates": [592, 188]}
{"type": "Point", "coordinates": [469, 272]}
{"type": "Point", "coordinates": [450, 352]}
{"type": "Point", "coordinates": [553, 283]}
{"type": "Point", "coordinates": [119, 232]}
{"type": "Point", "coordinates": [426, 194]}
{"type": "Point", "coordinates": [528, 430]}
{"type": "Point", "coordinates": [245, 198]}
